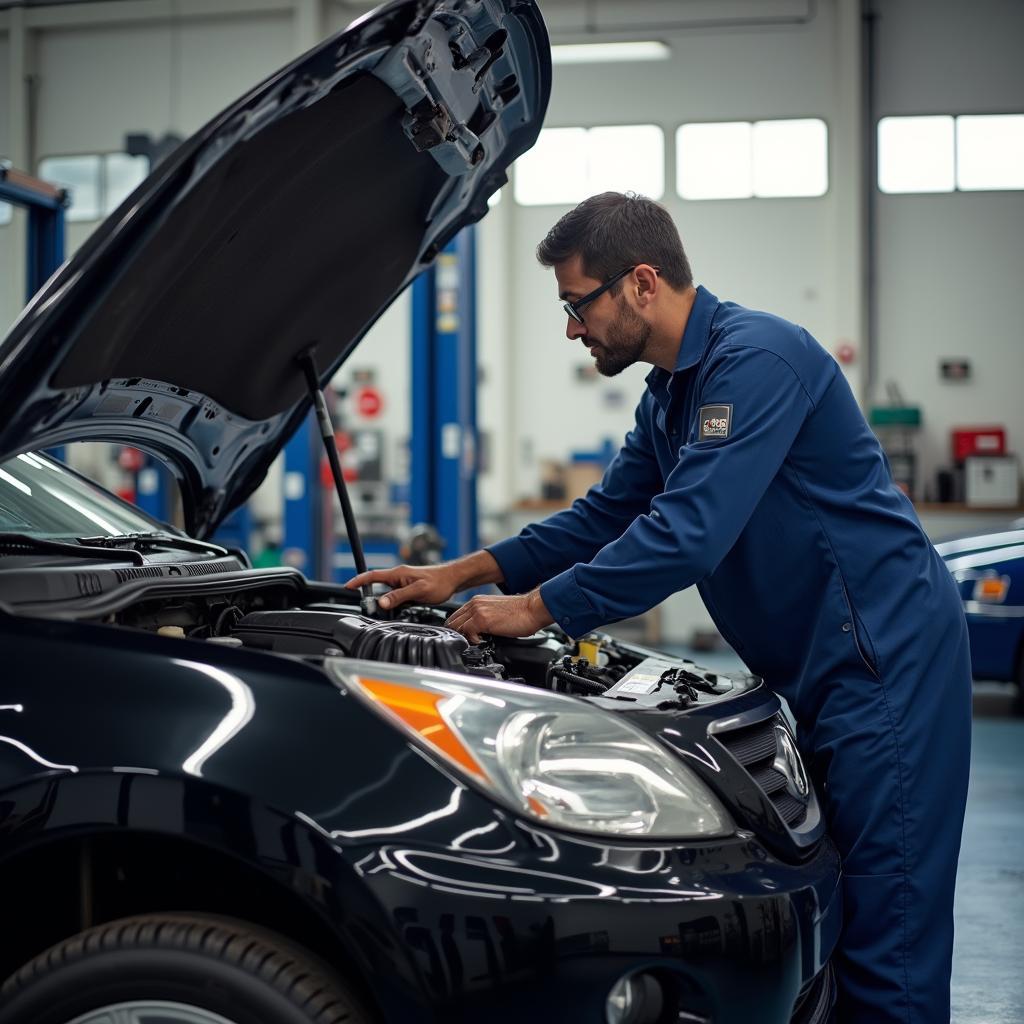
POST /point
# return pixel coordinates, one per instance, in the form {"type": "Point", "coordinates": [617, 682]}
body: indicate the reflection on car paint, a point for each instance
{"type": "Point", "coordinates": [243, 706]}
{"type": "Point", "coordinates": [27, 750]}
{"type": "Point", "coordinates": [403, 827]}
{"type": "Point", "coordinates": [460, 841]}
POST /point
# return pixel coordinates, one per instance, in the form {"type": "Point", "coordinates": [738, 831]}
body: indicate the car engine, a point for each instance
{"type": "Point", "coordinates": [294, 624]}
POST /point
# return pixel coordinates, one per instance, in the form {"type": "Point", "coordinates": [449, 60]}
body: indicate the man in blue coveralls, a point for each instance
{"type": "Point", "coordinates": [751, 472]}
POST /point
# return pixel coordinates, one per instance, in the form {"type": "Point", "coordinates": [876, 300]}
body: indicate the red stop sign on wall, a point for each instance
{"type": "Point", "coordinates": [369, 402]}
{"type": "Point", "coordinates": [131, 459]}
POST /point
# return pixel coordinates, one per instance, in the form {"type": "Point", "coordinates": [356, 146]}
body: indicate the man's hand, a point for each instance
{"type": "Point", "coordinates": [519, 615]}
{"type": "Point", "coordinates": [431, 584]}
{"type": "Point", "coordinates": [427, 584]}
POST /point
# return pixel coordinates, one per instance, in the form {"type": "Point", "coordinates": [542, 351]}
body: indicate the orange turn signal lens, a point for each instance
{"type": "Point", "coordinates": [419, 711]}
{"type": "Point", "coordinates": [992, 589]}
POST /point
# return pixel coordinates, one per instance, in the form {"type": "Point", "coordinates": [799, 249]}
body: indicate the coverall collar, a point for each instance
{"type": "Point", "coordinates": [695, 337]}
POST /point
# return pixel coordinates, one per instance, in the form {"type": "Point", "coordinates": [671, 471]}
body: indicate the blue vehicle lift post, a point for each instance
{"type": "Point", "coordinates": [44, 249]}
{"type": "Point", "coordinates": [45, 204]}
{"type": "Point", "coordinates": [444, 373]}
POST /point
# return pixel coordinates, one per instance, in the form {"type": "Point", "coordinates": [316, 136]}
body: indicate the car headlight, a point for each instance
{"type": "Point", "coordinates": [553, 757]}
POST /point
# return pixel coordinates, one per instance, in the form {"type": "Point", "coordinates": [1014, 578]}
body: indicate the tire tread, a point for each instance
{"type": "Point", "coordinates": [303, 984]}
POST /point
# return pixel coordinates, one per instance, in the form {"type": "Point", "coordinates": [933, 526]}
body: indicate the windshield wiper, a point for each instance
{"type": "Point", "coordinates": [132, 541]}
{"type": "Point", "coordinates": [24, 543]}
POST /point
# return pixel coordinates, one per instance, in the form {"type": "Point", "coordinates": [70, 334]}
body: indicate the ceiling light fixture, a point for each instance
{"type": "Point", "coordinates": [609, 53]}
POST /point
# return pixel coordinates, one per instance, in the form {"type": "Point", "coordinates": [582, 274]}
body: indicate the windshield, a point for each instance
{"type": "Point", "coordinates": [42, 498]}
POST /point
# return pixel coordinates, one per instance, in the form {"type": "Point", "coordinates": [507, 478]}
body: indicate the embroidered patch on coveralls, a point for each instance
{"type": "Point", "coordinates": [715, 421]}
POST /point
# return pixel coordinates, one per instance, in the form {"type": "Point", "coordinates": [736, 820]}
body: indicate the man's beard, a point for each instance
{"type": "Point", "coordinates": [625, 341]}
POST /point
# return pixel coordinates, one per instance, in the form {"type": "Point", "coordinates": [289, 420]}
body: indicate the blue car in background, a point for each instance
{"type": "Point", "coordinates": [989, 570]}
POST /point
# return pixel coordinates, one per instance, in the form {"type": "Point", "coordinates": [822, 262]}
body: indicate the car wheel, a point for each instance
{"type": "Point", "coordinates": [176, 969]}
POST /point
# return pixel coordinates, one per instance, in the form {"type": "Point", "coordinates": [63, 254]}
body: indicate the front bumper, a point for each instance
{"type": "Point", "coordinates": [730, 933]}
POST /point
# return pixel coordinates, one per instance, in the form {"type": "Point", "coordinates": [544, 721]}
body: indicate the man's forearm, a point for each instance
{"type": "Point", "coordinates": [475, 570]}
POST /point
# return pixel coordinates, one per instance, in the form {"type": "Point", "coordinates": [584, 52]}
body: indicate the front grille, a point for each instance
{"type": "Point", "coordinates": [755, 748]}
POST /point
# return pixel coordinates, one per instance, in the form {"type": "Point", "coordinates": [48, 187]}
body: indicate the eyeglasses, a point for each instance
{"type": "Point", "coordinates": [573, 308]}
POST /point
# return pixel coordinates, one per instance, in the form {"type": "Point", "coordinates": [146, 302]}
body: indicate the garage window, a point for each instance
{"type": "Point", "coordinates": [752, 159]}
{"type": "Point", "coordinates": [990, 152]}
{"type": "Point", "coordinates": [915, 154]}
{"type": "Point", "coordinates": [942, 153]}
{"type": "Point", "coordinates": [569, 164]}
{"type": "Point", "coordinates": [97, 182]}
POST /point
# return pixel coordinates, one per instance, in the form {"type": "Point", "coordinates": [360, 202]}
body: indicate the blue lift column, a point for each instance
{"type": "Point", "coordinates": [444, 386]}
{"type": "Point", "coordinates": [45, 204]}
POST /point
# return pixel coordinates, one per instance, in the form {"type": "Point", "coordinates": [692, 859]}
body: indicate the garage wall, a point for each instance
{"type": "Point", "coordinates": [791, 256]}
{"type": "Point", "coordinates": [5, 113]}
{"type": "Point", "coordinates": [12, 264]}
{"type": "Point", "coordinates": [950, 265]}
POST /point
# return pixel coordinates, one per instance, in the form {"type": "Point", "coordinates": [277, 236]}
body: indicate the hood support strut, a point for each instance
{"type": "Point", "coordinates": [323, 417]}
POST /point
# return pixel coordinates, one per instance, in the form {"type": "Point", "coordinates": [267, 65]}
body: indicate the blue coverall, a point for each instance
{"type": "Point", "coordinates": [751, 472]}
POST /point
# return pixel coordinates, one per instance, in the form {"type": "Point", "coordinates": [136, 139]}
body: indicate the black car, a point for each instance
{"type": "Point", "coordinates": [235, 796]}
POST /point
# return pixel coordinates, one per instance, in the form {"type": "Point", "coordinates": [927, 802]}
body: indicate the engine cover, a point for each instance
{"type": "Point", "coordinates": [403, 643]}
{"type": "Point", "coordinates": [302, 631]}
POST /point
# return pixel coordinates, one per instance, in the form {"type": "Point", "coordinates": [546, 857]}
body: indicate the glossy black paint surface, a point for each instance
{"type": "Point", "coordinates": [447, 905]}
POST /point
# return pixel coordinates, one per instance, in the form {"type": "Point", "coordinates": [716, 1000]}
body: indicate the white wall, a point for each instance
{"type": "Point", "coordinates": [12, 260]}
{"type": "Point", "coordinates": [785, 255]}
{"type": "Point", "coordinates": [5, 57]}
{"type": "Point", "coordinates": [950, 266]}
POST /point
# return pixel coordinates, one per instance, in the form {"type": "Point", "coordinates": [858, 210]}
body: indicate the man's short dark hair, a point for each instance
{"type": "Point", "coordinates": [613, 230]}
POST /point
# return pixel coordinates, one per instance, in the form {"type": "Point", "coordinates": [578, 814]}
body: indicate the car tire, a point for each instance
{"type": "Point", "coordinates": [180, 968]}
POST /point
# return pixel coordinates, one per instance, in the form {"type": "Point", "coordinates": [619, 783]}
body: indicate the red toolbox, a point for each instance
{"type": "Point", "coordinates": [969, 441]}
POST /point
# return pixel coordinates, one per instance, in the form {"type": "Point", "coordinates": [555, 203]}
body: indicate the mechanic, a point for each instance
{"type": "Point", "coordinates": [751, 472]}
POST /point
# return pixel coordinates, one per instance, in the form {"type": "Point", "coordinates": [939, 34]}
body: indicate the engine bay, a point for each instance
{"type": "Point", "coordinates": [315, 622]}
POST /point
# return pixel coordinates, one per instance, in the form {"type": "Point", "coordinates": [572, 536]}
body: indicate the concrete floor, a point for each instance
{"type": "Point", "coordinates": [988, 952]}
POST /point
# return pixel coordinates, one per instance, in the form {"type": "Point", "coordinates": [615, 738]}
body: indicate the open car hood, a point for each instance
{"type": "Point", "coordinates": [293, 219]}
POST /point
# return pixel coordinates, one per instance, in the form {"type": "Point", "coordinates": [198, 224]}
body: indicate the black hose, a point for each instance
{"type": "Point", "coordinates": [577, 677]}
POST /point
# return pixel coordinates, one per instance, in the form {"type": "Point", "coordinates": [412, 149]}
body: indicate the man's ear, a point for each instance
{"type": "Point", "coordinates": [645, 283]}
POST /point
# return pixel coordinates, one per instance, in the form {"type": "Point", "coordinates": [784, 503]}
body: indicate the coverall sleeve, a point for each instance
{"type": "Point", "coordinates": [576, 534]}
{"type": "Point", "coordinates": [707, 499]}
